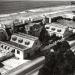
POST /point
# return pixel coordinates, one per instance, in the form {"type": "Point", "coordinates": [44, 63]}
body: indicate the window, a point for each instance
{"type": "Point", "coordinates": [13, 51]}
{"type": "Point", "coordinates": [27, 43]}
{"type": "Point", "coordinates": [20, 40]}
{"type": "Point", "coordinates": [8, 48]}
{"type": "Point", "coordinates": [1, 46]}
{"type": "Point", "coordinates": [47, 27]}
{"type": "Point", "coordinates": [5, 47]}
{"type": "Point", "coordinates": [53, 29]}
{"type": "Point", "coordinates": [14, 38]}
{"type": "Point", "coordinates": [18, 52]}
{"type": "Point", "coordinates": [58, 30]}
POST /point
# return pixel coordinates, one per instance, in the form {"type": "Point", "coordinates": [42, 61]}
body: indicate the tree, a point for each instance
{"type": "Point", "coordinates": [3, 35]}
{"type": "Point", "coordinates": [59, 62]}
{"type": "Point", "coordinates": [44, 36]}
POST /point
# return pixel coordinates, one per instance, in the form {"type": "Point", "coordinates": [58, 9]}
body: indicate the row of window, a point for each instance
{"type": "Point", "coordinates": [58, 30]}
{"type": "Point", "coordinates": [4, 47]}
{"type": "Point", "coordinates": [53, 29]}
{"type": "Point", "coordinates": [7, 48]}
{"type": "Point", "coordinates": [13, 50]}
{"type": "Point", "coordinates": [20, 40]}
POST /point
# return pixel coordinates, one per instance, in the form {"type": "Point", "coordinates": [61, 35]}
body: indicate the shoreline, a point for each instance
{"type": "Point", "coordinates": [34, 10]}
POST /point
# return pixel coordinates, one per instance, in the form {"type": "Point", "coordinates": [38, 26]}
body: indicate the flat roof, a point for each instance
{"type": "Point", "coordinates": [10, 64]}
{"type": "Point", "coordinates": [67, 23]}
{"type": "Point", "coordinates": [57, 25]}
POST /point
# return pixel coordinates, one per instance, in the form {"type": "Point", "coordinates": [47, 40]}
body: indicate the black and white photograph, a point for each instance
{"type": "Point", "coordinates": [37, 37]}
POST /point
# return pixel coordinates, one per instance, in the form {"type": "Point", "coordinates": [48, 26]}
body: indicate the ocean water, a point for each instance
{"type": "Point", "coordinates": [7, 7]}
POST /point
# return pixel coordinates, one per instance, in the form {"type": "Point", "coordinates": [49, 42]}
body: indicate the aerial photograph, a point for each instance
{"type": "Point", "coordinates": [37, 37]}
